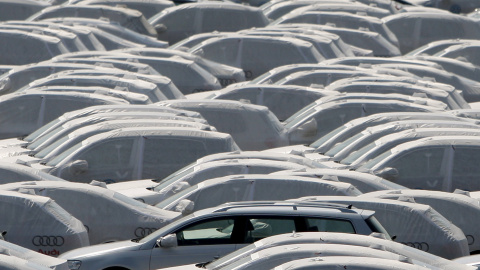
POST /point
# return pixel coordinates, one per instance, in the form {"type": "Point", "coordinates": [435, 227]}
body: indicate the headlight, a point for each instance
{"type": "Point", "coordinates": [74, 265]}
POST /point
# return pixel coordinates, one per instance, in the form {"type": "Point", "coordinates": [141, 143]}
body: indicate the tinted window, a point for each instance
{"type": "Point", "coordinates": [329, 225]}
{"type": "Point", "coordinates": [210, 232]}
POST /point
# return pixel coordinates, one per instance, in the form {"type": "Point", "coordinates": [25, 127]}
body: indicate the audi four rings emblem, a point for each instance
{"type": "Point", "coordinates": [142, 232]}
{"type": "Point", "coordinates": [48, 241]}
{"type": "Point", "coordinates": [418, 245]}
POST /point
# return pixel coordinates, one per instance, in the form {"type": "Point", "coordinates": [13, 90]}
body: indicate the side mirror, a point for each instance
{"type": "Point", "coordinates": [185, 207]}
{"type": "Point", "coordinates": [168, 241]}
{"type": "Point", "coordinates": [388, 173]}
{"type": "Point", "coordinates": [304, 131]}
{"type": "Point", "coordinates": [160, 28]}
{"type": "Point", "coordinates": [78, 167]}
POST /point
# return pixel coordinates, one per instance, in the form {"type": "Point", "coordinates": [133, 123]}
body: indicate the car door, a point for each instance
{"type": "Point", "coordinates": [200, 241]}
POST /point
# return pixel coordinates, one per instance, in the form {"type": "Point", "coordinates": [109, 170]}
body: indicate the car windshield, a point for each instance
{"type": "Point", "coordinates": [64, 154]}
{"type": "Point", "coordinates": [39, 131]}
{"type": "Point", "coordinates": [47, 150]}
{"type": "Point", "coordinates": [45, 137]}
{"type": "Point", "coordinates": [328, 136]}
{"type": "Point", "coordinates": [370, 164]}
{"type": "Point", "coordinates": [339, 147]}
{"type": "Point", "coordinates": [355, 155]}
{"type": "Point", "coordinates": [165, 203]}
{"type": "Point", "coordinates": [173, 178]}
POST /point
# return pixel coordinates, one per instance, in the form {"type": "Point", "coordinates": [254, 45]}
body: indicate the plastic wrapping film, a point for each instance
{"type": "Point", "coordinates": [274, 256]}
{"type": "Point", "coordinates": [236, 50]}
{"type": "Point", "coordinates": [128, 18]}
{"type": "Point", "coordinates": [326, 117]}
{"type": "Point", "coordinates": [166, 150]}
{"type": "Point", "coordinates": [364, 182]}
{"type": "Point", "coordinates": [14, 263]}
{"type": "Point", "coordinates": [11, 172]}
{"type": "Point", "coordinates": [185, 20]}
{"type": "Point", "coordinates": [374, 240]}
{"type": "Point", "coordinates": [459, 209]}
{"type": "Point", "coordinates": [415, 225]}
{"type": "Point", "coordinates": [168, 90]}
{"type": "Point", "coordinates": [100, 109]}
{"type": "Point", "coordinates": [135, 86]}
{"type": "Point", "coordinates": [34, 257]}
{"type": "Point", "coordinates": [453, 155]}
{"type": "Point", "coordinates": [352, 263]}
{"type": "Point", "coordinates": [107, 215]}
{"type": "Point", "coordinates": [253, 127]}
{"type": "Point", "coordinates": [22, 113]}
{"type": "Point", "coordinates": [282, 101]}
{"type": "Point", "coordinates": [357, 125]}
{"type": "Point", "coordinates": [20, 48]}
{"type": "Point", "coordinates": [40, 224]}
{"type": "Point", "coordinates": [256, 187]}
{"type": "Point", "coordinates": [221, 168]}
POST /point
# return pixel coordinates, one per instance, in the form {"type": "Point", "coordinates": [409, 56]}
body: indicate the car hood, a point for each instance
{"type": "Point", "coordinates": [98, 250]}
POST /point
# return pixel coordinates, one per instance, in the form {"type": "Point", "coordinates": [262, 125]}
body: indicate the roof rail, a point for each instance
{"type": "Point", "coordinates": [294, 204]}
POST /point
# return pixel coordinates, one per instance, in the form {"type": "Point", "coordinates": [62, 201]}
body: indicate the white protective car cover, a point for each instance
{"type": "Point", "coordinates": [14, 263]}
{"type": "Point", "coordinates": [413, 224]}
{"type": "Point", "coordinates": [415, 29]}
{"type": "Point", "coordinates": [19, 76]}
{"type": "Point", "coordinates": [60, 140]}
{"type": "Point", "coordinates": [131, 97]}
{"type": "Point", "coordinates": [396, 87]}
{"type": "Point", "coordinates": [253, 127]}
{"type": "Point", "coordinates": [340, 19]}
{"type": "Point", "coordinates": [187, 75]}
{"type": "Point", "coordinates": [11, 172]}
{"type": "Point", "coordinates": [152, 192]}
{"type": "Point", "coordinates": [271, 257]}
{"type": "Point", "coordinates": [147, 7]}
{"type": "Point", "coordinates": [225, 74]}
{"type": "Point", "coordinates": [257, 54]}
{"type": "Point", "coordinates": [49, 262]}
{"type": "Point", "coordinates": [22, 113]}
{"type": "Point", "coordinates": [182, 21]}
{"type": "Point", "coordinates": [20, 48]}
{"type": "Point", "coordinates": [281, 100]}
{"type": "Point", "coordinates": [376, 240]}
{"type": "Point", "coordinates": [357, 125]}
{"type": "Point", "coordinates": [20, 9]}
{"type": "Point", "coordinates": [457, 166]}
{"type": "Point", "coordinates": [459, 208]}
{"type": "Point", "coordinates": [112, 82]}
{"type": "Point", "coordinates": [83, 33]}
{"type": "Point", "coordinates": [107, 215]}
{"type": "Point", "coordinates": [129, 18]}
{"type": "Point", "coordinates": [40, 224]}
{"type": "Point", "coordinates": [317, 120]}
{"type": "Point", "coordinates": [252, 187]}
{"type": "Point", "coordinates": [348, 262]}
{"type": "Point", "coordinates": [147, 159]}
{"type": "Point", "coordinates": [163, 83]}
{"type": "Point", "coordinates": [364, 182]}
{"type": "Point", "coordinates": [361, 38]}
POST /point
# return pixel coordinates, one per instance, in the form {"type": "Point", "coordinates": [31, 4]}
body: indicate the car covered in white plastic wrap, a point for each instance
{"type": "Point", "coordinates": [413, 224]}
{"type": "Point", "coordinates": [40, 224]}
{"type": "Point", "coordinates": [107, 215]}
{"type": "Point", "coordinates": [136, 153]}
{"type": "Point", "coordinates": [452, 206]}
{"type": "Point", "coordinates": [253, 127]}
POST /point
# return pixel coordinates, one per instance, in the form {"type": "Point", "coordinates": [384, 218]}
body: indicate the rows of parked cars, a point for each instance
{"type": "Point", "coordinates": [252, 134]}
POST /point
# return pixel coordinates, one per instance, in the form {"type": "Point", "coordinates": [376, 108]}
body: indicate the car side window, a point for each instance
{"type": "Point", "coordinates": [210, 232]}
{"type": "Point", "coordinates": [262, 227]}
{"type": "Point", "coordinates": [329, 225]}
{"type": "Point", "coordinates": [115, 152]}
